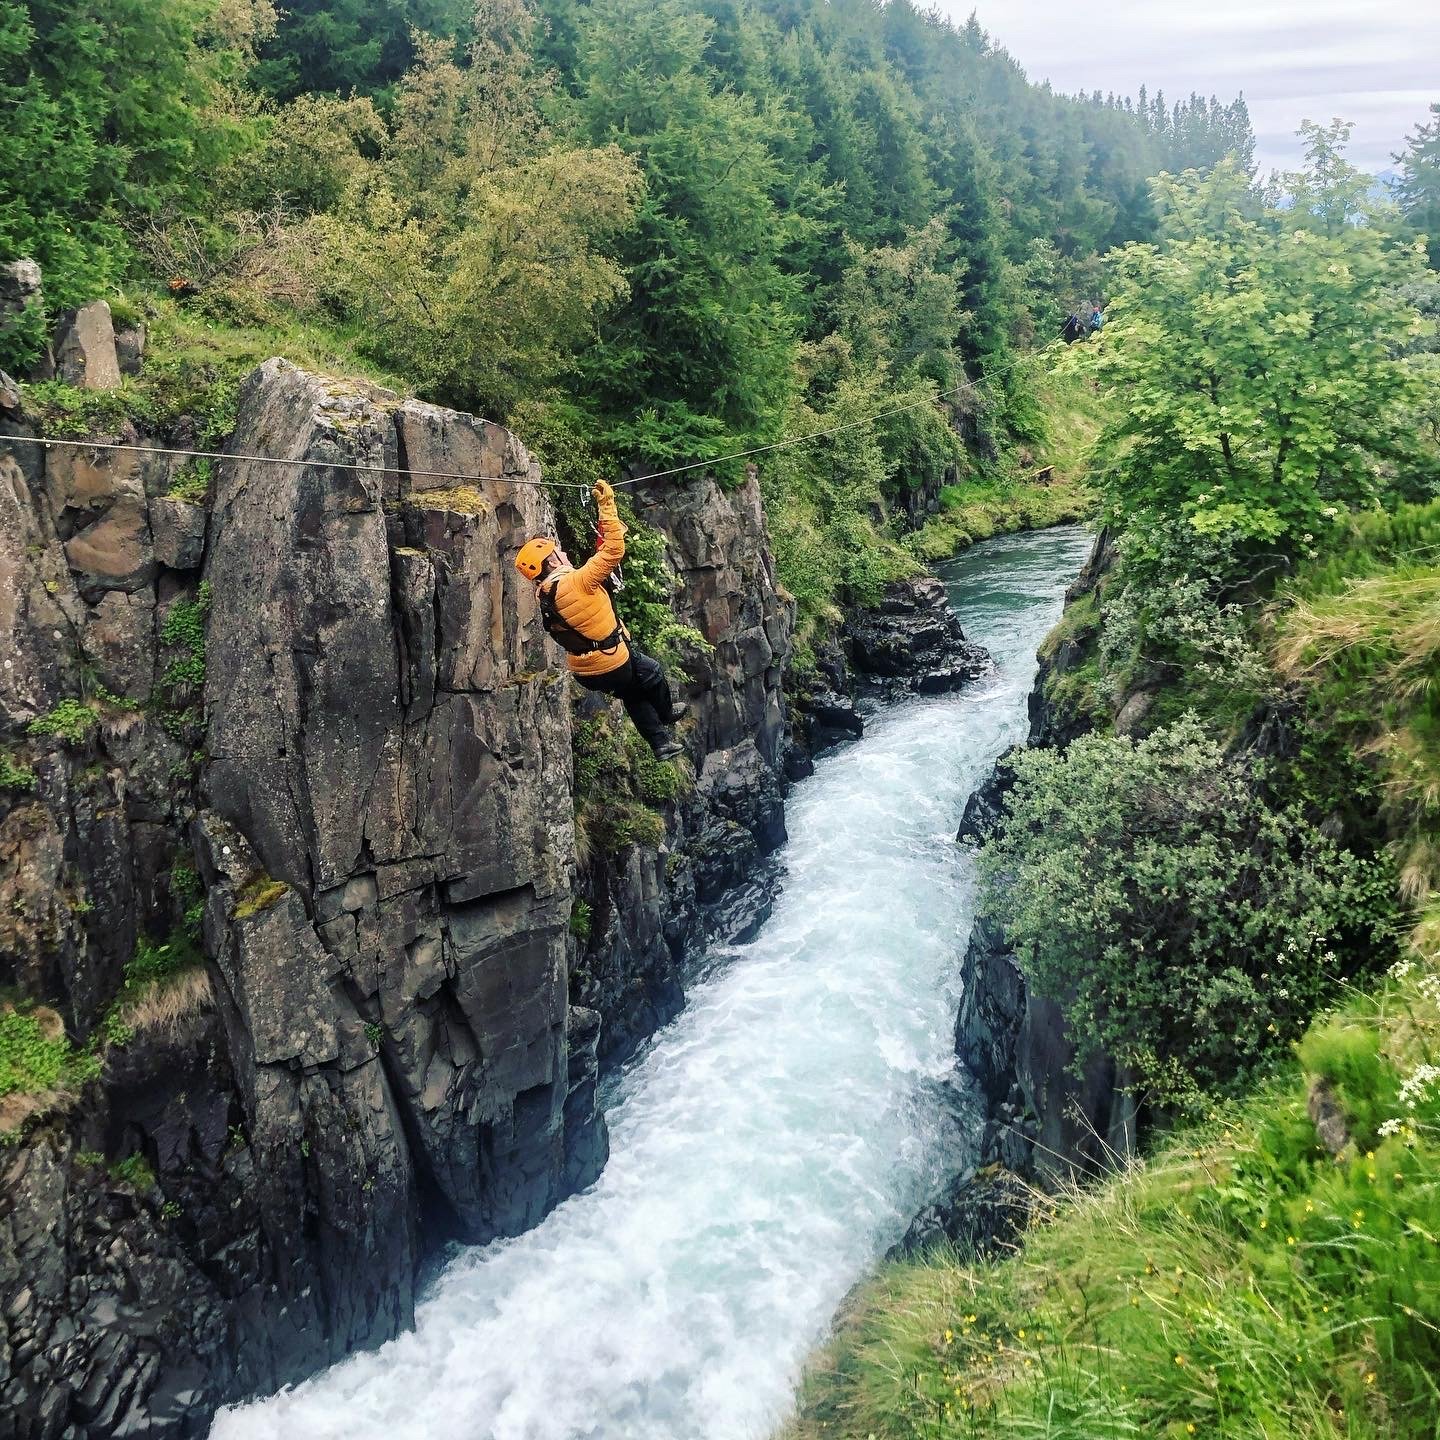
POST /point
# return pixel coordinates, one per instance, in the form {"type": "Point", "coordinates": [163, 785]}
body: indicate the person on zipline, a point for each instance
{"type": "Point", "coordinates": [577, 608]}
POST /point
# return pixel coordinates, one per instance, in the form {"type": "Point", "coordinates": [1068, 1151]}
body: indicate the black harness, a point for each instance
{"type": "Point", "coordinates": [566, 636]}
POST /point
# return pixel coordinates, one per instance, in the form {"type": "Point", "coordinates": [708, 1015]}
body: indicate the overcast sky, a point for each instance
{"type": "Point", "coordinates": [1376, 63]}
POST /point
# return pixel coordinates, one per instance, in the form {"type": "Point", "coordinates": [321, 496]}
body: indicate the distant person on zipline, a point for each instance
{"type": "Point", "coordinates": [577, 608]}
{"type": "Point", "coordinates": [1097, 318]}
{"type": "Point", "coordinates": [1074, 328]}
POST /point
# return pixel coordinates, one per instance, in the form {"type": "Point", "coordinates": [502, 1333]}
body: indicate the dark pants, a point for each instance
{"type": "Point", "coordinates": [640, 684]}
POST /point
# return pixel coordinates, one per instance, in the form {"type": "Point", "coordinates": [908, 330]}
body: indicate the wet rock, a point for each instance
{"type": "Point", "coordinates": [911, 643]}
{"type": "Point", "coordinates": [985, 808]}
{"type": "Point", "coordinates": [85, 353]}
{"type": "Point", "coordinates": [1327, 1115]}
{"type": "Point", "coordinates": [981, 1214]}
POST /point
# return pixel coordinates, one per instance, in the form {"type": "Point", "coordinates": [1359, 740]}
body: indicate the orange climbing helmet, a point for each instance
{"type": "Point", "coordinates": [533, 555]}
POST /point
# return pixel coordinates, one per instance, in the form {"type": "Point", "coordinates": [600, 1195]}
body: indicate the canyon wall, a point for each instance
{"type": "Point", "coordinates": [288, 854]}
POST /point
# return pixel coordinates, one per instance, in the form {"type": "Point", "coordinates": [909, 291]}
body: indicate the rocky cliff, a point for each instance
{"type": "Point", "coordinates": [289, 875]}
{"type": "Point", "coordinates": [653, 908]}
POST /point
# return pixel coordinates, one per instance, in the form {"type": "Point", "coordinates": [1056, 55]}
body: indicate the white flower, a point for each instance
{"type": "Point", "coordinates": [1401, 968]}
{"type": "Point", "coordinates": [1390, 1127]}
{"type": "Point", "coordinates": [1417, 1083]}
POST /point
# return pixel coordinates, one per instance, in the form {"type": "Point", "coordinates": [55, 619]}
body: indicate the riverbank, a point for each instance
{"type": "Point", "coordinates": [1029, 488]}
{"type": "Point", "coordinates": [1273, 1264]}
{"type": "Point", "coordinates": [1244, 1270]}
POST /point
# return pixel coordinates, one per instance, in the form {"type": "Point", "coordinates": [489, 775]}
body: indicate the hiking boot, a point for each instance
{"type": "Point", "coordinates": [678, 711]}
{"type": "Point", "coordinates": [669, 749]}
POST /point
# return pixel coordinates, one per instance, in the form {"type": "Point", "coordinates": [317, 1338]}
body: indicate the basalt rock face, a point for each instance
{"type": "Point", "coordinates": [313, 745]}
{"type": "Point", "coordinates": [911, 642]}
{"type": "Point", "coordinates": [377, 1052]}
{"type": "Point", "coordinates": [654, 909]}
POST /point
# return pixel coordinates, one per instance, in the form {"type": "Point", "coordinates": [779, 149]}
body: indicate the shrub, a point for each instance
{"type": "Point", "coordinates": [36, 1055]}
{"type": "Point", "coordinates": [71, 721]}
{"type": "Point", "coordinates": [15, 777]}
{"type": "Point", "coordinates": [1184, 925]}
{"type": "Point", "coordinates": [185, 626]}
{"type": "Point", "coordinates": [618, 784]}
{"type": "Point", "coordinates": [134, 1170]}
{"type": "Point", "coordinates": [191, 482]}
{"type": "Point", "coordinates": [580, 919]}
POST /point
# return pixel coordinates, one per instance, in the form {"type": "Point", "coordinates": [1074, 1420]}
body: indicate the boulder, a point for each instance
{"type": "Point", "coordinates": [177, 530]}
{"type": "Point", "coordinates": [911, 642]}
{"type": "Point", "coordinates": [130, 348]}
{"type": "Point", "coordinates": [85, 353]}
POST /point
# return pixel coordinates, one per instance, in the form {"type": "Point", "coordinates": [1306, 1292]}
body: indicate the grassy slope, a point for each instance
{"type": "Point", "coordinates": [1241, 1282]}
{"type": "Point", "coordinates": [1011, 496]}
{"type": "Point", "coordinates": [192, 373]}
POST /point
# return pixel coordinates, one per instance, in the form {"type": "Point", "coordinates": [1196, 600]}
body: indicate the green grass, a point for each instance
{"type": "Point", "coordinates": [192, 372]}
{"type": "Point", "coordinates": [1241, 1282]}
{"type": "Point", "coordinates": [36, 1056]}
{"type": "Point", "coordinates": [1360, 632]}
{"type": "Point", "coordinates": [1026, 490]}
{"type": "Point", "coordinates": [980, 508]}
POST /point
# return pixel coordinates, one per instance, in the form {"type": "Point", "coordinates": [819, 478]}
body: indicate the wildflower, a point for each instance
{"type": "Point", "coordinates": [1264, 1224]}
{"type": "Point", "coordinates": [1370, 1377]}
{"type": "Point", "coordinates": [1189, 1428]}
{"type": "Point", "coordinates": [1289, 1239]}
{"type": "Point", "coordinates": [1180, 1361]}
{"type": "Point", "coordinates": [949, 1336]}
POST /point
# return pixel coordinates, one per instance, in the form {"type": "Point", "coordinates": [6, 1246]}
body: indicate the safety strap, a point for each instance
{"type": "Point", "coordinates": [566, 636]}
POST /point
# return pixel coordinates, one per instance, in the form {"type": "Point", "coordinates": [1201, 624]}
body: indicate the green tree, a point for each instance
{"type": "Point", "coordinates": [699, 357]}
{"type": "Point", "coordinates": [345, 46]}
{"type": "Point", "coordinates": [1252, 358]}
{"type": "Point", "coordinates": [472, 252]}
{"type": "Point", "coordinates": [1418, 189]}
{"type": "Point", "coordinates": [113, 109]}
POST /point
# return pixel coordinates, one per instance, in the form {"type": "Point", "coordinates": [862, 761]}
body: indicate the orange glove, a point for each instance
{"type": "Point", "coordinates": [603, 491]}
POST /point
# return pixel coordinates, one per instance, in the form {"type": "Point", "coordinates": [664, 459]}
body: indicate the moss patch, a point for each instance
{"type": "Point", "coordinates": [259, 893]}
{"type": "Point", "coordinates": [459, 499]}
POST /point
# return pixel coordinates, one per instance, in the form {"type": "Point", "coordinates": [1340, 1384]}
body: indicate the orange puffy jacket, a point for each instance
{"type": "Point", "coordinates": [584, 603]}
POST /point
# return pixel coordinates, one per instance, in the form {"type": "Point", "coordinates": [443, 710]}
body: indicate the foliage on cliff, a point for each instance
{"type": "Point", "coordinates": [1243, 1281]}
{"type": "Point", "coordinates": [687, 229]}
{"type": "Point", "coordinates": [1188, 924]}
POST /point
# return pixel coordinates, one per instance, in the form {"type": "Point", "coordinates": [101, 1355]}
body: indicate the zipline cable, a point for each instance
{"type": "Point", "coordinates": [352, 466]}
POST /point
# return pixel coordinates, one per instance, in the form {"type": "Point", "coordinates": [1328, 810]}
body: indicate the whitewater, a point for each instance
{"type": "Point", "coordinates": [770, 1144]}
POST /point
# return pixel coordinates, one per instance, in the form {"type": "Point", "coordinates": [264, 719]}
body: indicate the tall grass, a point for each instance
{"type": "Point", "coordinates": [1242, 1282]}
{"type": "Point", "coordinates": [1361, 634]}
